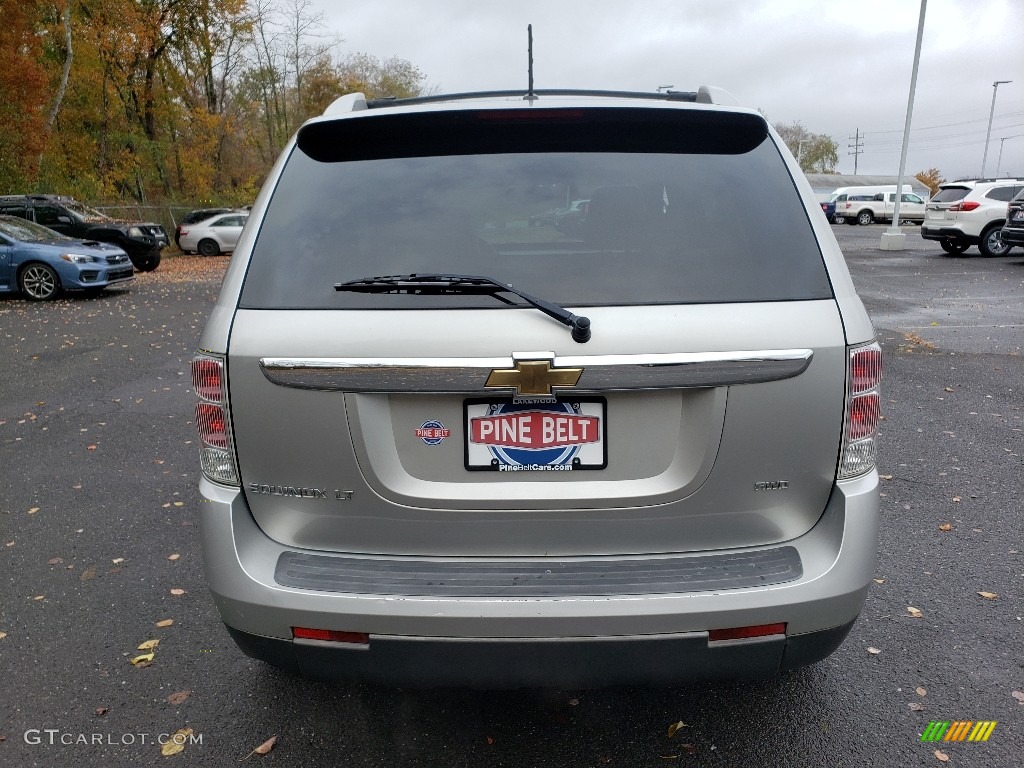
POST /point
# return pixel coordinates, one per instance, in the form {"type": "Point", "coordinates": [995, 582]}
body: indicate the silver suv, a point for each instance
{"type": "Point", "coordinates": [445, 441]}
{"type": "Point", "coordinates": [966, 213]}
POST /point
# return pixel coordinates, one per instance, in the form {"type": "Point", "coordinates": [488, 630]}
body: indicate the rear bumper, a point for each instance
{"type": "Point", "coordinates": [577, 662]}
{"type": "Point", "coordinates": [564, 640]}
{"type": "Point", "coordinates": [947, 233]}
{"type": "Point", "coordinates": [1012, 235]}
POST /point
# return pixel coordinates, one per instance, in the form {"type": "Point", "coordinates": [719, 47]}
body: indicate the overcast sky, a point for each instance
{"type": "Point", "coordinates": [834, 66]}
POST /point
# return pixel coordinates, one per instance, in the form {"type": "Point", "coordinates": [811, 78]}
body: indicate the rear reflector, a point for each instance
{"type": "Point", "coordinates": [741, 633]}
{"type": "Point", "coordinates": [331, 635]}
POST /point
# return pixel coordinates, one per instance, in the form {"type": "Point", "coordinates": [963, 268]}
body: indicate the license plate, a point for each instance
{"type": "Point", "coordinates": [536, 436]}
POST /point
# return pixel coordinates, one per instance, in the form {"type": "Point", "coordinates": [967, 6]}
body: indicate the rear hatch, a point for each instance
{"type": "Point", "coordinates": [944, 205]}
{"type": "Point", "coordinates": [415, 418]}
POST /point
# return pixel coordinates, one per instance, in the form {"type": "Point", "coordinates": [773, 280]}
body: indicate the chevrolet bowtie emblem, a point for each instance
{"type": "Point", "coordinates": [533, 377]}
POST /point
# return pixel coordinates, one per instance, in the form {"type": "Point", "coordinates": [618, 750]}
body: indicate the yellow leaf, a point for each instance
{"type": "Point", "coordinates": [176, 742]}
{"type": "Point", "coordinates": [989, 595]}
{"type": "Point", "coordinates": [179, 503]}
{"type": "Point", "coordinates": [947, 527]}
{"type": "Point", "coordinates": [149, 645]}
{"type": "Point", "coordinates": [675, 727]}
{"type": "Point", "coordinates": [165, 622]}
{"type": "Point", "coordinates": [33, 510]}
{"type": "Point", "coordinates": [3, 635]}
{"type": "Point", "coordinates": [915, 612]}
{"type": "Point", "coordinates": [142, 658]}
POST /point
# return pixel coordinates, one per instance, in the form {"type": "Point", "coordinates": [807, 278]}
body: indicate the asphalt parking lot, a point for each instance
{"type": "Point", "coordinates": [99, 545]}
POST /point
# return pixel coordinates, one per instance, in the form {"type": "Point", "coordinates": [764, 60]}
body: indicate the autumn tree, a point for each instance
{"type": "Point", "coordinates": [931, 178]}
{"type": "Point", "coordinates": [23, 85]}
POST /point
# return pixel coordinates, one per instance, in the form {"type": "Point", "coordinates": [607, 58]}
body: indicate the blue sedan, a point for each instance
{"type": "Point", "coordinates": [41, 263]}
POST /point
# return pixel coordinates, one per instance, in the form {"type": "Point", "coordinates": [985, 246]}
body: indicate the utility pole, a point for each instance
{"type": "Point", "coordinates": [857, 150]}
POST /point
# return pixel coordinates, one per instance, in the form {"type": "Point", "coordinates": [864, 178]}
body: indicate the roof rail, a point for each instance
{"type": "Point", "coordinates": [705, 95]}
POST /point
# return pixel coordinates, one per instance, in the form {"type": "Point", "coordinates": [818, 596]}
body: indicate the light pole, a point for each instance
{"type": "Point", "coordinates": [999, 160]}
{"type": "Point", "coordinates": [991, 112]}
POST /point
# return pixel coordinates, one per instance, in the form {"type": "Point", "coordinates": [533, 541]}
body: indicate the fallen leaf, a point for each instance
{"type": "Point", "coordinates": [176, 742]}
{"type": "Point", "coordinates": [886, 477]}
{"type": "Point", "coordinates": [874, 651]}
{"type": "Point", "coordinates": [1018, 695]}
{"type": "Point", "coordinates": [165, 622]}
{"type": "Point", "coordinates": [9, 544]}
{"type": "Point", "coordinates": [90, 448]}
{"type": "Point", "coordinates": [949, 389]}
{"type": "Point", "coordinates": [101, 711]}
{"type": "Point", "coordinates": [921, 691]}
{"type": "Point", "coordinates": [149, 645]}
{"type": "Point", "coordinates": [177, 592]}
{"type": "Point", "coordinates": [914, 612]}
{"type": "Point", "coordinates": [178, 698]}
{"type": "Point", "coordinates": [88, 573]}
{"type": "Point", "coordinates": [573, 702]}
{"type": "Point", "coordinates": [916, 707]}
{"type": "Point", "coordinates": [879, 581]}
{"type": "Point", "coordinates": [39, 597]}
{"type": "Point", "coordinates": [117, 560]}
{"type": "Point", "coordinates": [55, 561]}
{"type": "Point", "coordinates": [941, 756]}
{"type": "Point", "coordinates": [173, 557]}
{"type": "Point", "coordinates": [989, 595]}
{"type": "Point", "coordinates": [675, 727]}
{"type": "Point", "coordinates": [3, 635]}
{"type": "Point", "coordinates": [166, 506]}
{"type": "Point", "coordinates": [489, 741]}
{"type": "Point", "coordinates": [946, 527]}
{"type": "Point", "coordinates": [144, 658]}
{"type": "Point", "coordinates": [957, 499]}
{"type": "Point", "coordinates": [179, 503]}
{"type": "Point", "coordinates": [33, 510]}
{"type": "Point", "coordinates": [265, 747]}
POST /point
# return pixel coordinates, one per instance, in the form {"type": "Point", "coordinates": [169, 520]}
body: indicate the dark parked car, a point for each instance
{"type": "Point", "coordinates": [41, 263]}
{"type": "Point", "coordinates": [1012, 232]}
{"type": "Point", "coordinates": [194, 217]}
{"type": "Point", "coordinates": [142, 241]}
{"type": "Point", "coordinates": [828, 207]}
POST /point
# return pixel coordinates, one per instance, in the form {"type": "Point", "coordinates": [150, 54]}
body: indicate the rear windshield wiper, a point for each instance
{"type": "Point", "coordinates": [433, 284]}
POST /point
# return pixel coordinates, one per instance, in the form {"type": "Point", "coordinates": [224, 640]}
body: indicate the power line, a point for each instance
{"type": "Point", "coordinates": [857, 149]}
{"type": "Point", "coordinates": [950, 125]}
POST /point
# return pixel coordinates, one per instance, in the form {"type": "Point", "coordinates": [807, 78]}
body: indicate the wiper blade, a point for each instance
{"type": "Point", "coordinates": [429, 283]}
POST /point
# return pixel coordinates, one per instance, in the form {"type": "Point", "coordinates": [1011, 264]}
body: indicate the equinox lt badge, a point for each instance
{"type": "Point", "coordinates": [298, 492]}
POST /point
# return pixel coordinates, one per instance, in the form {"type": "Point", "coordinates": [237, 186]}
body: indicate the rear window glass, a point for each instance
{"type": "Point", "coordinates": [613, 224]}
{"type": "Point", "coordinates": [950, 194]}
{"type": "Point", "coordinates": [1003, 194]}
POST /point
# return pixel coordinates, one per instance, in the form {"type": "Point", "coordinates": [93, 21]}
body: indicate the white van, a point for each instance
{"type": "Point", "coordinates": [868, 204]}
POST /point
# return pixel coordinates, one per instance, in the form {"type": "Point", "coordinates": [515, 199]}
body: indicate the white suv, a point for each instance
{"type": "Point", "coordinates": [966, 213]}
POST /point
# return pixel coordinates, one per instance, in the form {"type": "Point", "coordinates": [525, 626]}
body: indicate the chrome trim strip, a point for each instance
{"type": "Point", "coordinates": [683, 370]}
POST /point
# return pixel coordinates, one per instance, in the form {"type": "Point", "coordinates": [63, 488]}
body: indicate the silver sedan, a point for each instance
{"type": "Point", "coordinates": [214, 235]}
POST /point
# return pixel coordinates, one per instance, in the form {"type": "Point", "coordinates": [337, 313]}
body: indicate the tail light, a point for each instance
{"type": "Point", "coordinates": [217, 454]}
{"type": "Point", "coordinates": [968, 205]}
{"type": "Point", "coordinates": [863, 410]}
